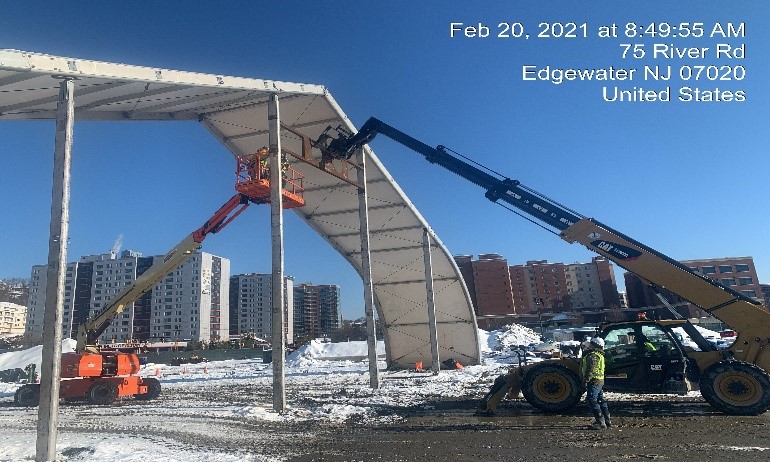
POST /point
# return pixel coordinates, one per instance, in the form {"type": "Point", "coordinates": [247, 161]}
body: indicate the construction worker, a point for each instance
{"type": "Point", "coordinates": [592, 375]}
{"type": "Point", "coordinates": [642, 342]}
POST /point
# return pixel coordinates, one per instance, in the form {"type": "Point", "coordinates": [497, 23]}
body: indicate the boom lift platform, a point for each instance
{"type": "Point", "coordinates": [252, 178]}
{"type": "Point", "coordinates": [100, 375]}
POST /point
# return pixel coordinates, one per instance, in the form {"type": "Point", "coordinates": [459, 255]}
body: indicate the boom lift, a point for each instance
{"type": "Point", "coordinates": [734, 380]}
{"type": "Point", "coordinates": [101, 375]}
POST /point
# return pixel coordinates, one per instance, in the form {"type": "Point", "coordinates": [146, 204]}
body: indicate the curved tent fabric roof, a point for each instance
{"type": "Point", "coordinates": [234, 110]}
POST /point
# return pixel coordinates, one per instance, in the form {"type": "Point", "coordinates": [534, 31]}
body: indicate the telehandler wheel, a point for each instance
{"type": "Point", "coordinates": [28, 395]}
{"type": "Point", "coordinates": [103, 392]}
{"type": "Point", "coordinates": [551, 388]}
{"type": "Point", "coordinates": [736, 387]}
{"type": "Point", "coordinates": [153, 389]}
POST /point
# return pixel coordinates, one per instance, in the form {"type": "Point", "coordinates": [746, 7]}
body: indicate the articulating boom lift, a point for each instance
{"type": "Point", "coordinates": [735, 380]}
{"type": "Point", "coordinates": [101, 375]}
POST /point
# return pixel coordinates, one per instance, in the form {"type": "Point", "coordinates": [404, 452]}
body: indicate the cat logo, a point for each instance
{"type": "Point", "coordinates": [656, 367]}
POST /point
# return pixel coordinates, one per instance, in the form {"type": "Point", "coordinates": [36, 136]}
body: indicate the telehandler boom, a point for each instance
{"type": "Point", "coordinates": [734, 380]}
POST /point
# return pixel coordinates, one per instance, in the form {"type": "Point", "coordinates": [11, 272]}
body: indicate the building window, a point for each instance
{"type": "Point", "coordinates": [708, 270]}
{"type": "Point", "coordinates": [745, 281]}
{"type": "Point", "coordinates": [749, 293]}
{"type": "Point", "coordinates": [725, 269]}
{"type": "Point", "coordinates": [728, 281]}
{"type": "Point", "coordinates": [741, 268]}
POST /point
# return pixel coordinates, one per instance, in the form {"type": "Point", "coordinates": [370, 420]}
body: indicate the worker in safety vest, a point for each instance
{"type": "Point", "coordinates": [592, 374]}
{"type": "Point", "coordinates": [642, 341]}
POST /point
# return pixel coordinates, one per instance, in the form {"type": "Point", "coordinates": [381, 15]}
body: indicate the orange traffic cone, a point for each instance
{"type": "Point", "coordinates": [157, 372]}
{"type": "Point", "coordinates": [418, 366]}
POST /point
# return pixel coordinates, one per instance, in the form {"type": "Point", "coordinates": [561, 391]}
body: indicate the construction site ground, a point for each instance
{"type": "Point", "coordinates": [661, 428]}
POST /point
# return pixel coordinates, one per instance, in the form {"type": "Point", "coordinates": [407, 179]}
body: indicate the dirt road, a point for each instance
{"type": "Point", "coordinates": [665, 431]}
{"type": "Point", "coordinates": [657, 428]}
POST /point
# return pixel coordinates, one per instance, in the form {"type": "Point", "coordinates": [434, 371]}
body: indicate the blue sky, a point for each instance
{"type": "Point", "coordinates": [688, 179]}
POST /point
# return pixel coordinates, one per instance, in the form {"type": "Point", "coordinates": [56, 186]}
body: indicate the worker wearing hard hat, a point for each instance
{"type": "Point", "coordinates": [592, 374]}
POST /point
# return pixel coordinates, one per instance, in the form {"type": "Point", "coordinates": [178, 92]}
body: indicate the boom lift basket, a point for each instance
{"type": "Point", "coordinates": [252, 178]}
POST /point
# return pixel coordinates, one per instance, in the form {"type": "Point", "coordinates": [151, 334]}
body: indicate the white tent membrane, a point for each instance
{"type": "Point", "coordinates": [234, 110]}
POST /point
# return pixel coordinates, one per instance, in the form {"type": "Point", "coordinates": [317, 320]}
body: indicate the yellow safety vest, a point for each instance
{"type": "Point", "coordinates": [592, 366]}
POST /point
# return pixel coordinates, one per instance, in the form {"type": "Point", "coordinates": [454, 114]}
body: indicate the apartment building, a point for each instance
{"type": "Point", "coordinates": [13, 318]}
{"type": "Point", "coordinates": [190, 303]}
{"type": "Point", "coordinates": [503, 294]}
{"type": "Point", "coordinates": [580, 288]}
{"type": "Point", "coordinates": [251, 305]}
{"type": "Point", "coordinates": [489, 282]}
{"type": "Point", "coordinates": [316, 310]}
{"type": "Point", "coordinates": [738, 273]}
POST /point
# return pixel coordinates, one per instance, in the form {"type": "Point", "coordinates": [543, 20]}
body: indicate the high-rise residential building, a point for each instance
{"type": "Point", "coordinates": [738, 273]}
{"type": "Point", "coordinates": [13, 318]}
{"type": "Point", "coordinates": [579, 288]}
{"type": "Point", "coordinates": [503, 294]}
{"type": "Point", "coordinates": [189, 303]}
{"type": "Point", "coordinates": [251, 305]}
{"type": "Point", "coordinates": [316, 310]}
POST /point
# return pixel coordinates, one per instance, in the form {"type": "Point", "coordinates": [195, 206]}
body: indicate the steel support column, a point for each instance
{"type": "Point", "coordinates": [366, 266]}
{"type": "Point", "coordinates": [435, 364]}
{"type": "Point", "coordinates": [276, 230]}
{"type": "Point", "coordinates": [50, 369]}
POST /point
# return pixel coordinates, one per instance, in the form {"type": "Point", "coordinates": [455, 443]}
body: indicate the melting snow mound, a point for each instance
{"type": "Point", "coordinates": [509, 337]}
{"type": "Point", "coordinates": [318, 350]}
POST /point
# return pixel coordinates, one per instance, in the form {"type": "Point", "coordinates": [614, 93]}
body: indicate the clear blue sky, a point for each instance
{"type": "Point", "coordinates": [688, 179]}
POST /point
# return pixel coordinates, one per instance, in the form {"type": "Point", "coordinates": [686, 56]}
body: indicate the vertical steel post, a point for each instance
{"type": "Point", "coordinates": [366, 266]}
{"type": "Point", "coordinates": [435, 364]}
{"type": "Point", "coordinates": [276, 232]}
{"type": "Point", "coordinates": [50, 369]}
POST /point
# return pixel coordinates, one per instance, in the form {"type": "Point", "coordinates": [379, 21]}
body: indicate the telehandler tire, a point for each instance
{"type": "Point", "coordinates": [551, 388]}
{"type": "Point", "coordinates": [153, 389]}
{"type": "Point", "coordinates": [736, 387]}
{"type": "Point", "coordinates": [28, 395]}
{"type": "Point", "coordinates": [103, 392]}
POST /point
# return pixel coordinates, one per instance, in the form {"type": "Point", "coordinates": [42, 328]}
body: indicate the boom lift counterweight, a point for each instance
{"type": "Point", "coordinates": [735, 380]}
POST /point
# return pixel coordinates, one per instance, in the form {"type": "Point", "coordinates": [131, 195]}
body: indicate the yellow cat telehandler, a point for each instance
{"type": "Point", "coordinates": [734, 380]}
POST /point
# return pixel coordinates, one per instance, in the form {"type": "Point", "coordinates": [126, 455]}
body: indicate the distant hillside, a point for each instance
{"type": "Point", "coordinates": [15, 290]}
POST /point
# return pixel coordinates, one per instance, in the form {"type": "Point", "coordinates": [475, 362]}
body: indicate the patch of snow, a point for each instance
{"type": "Point", "coordinates": [20, 359]}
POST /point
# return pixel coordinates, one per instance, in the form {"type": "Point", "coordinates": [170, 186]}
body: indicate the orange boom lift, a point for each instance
{"type": "Point", "coordinates": [100, 375]}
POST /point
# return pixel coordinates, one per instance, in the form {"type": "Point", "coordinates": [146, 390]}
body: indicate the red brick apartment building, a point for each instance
{"type": "Point", "coordinates": [539, 290]}
{"type": "Point", "coordinates": [738, 273]}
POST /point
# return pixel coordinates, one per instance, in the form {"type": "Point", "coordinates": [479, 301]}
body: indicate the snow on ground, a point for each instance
{"type": "Point", "coordinates": [341, 369]}
{"type": "Point", "coordinates": [340, 366]}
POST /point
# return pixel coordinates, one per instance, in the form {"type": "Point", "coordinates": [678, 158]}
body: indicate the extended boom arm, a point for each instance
{"type": "Point", "coordinates": [732, 307]}
{"type": "Point", "coordinates": [89, 331]}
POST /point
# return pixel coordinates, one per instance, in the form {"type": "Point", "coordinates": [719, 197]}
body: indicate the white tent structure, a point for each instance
{"type": "Point", "coordinates": [234, 110]}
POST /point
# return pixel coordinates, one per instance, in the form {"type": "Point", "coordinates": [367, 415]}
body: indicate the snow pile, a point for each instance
{"type": "Point", "coordinates": [509, 337]}
{"type": "Point", "coordinates": [688, 342]}
{"type": "Point", "coordinates": [20, 359]}
{"type": "Point", "coordinates": [708, 334]}
{"type": "Point", "coordinates": [317, 350]}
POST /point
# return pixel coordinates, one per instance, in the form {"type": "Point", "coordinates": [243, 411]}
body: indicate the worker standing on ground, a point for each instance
{"type": "Point", "coordinates": [592, 374]}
